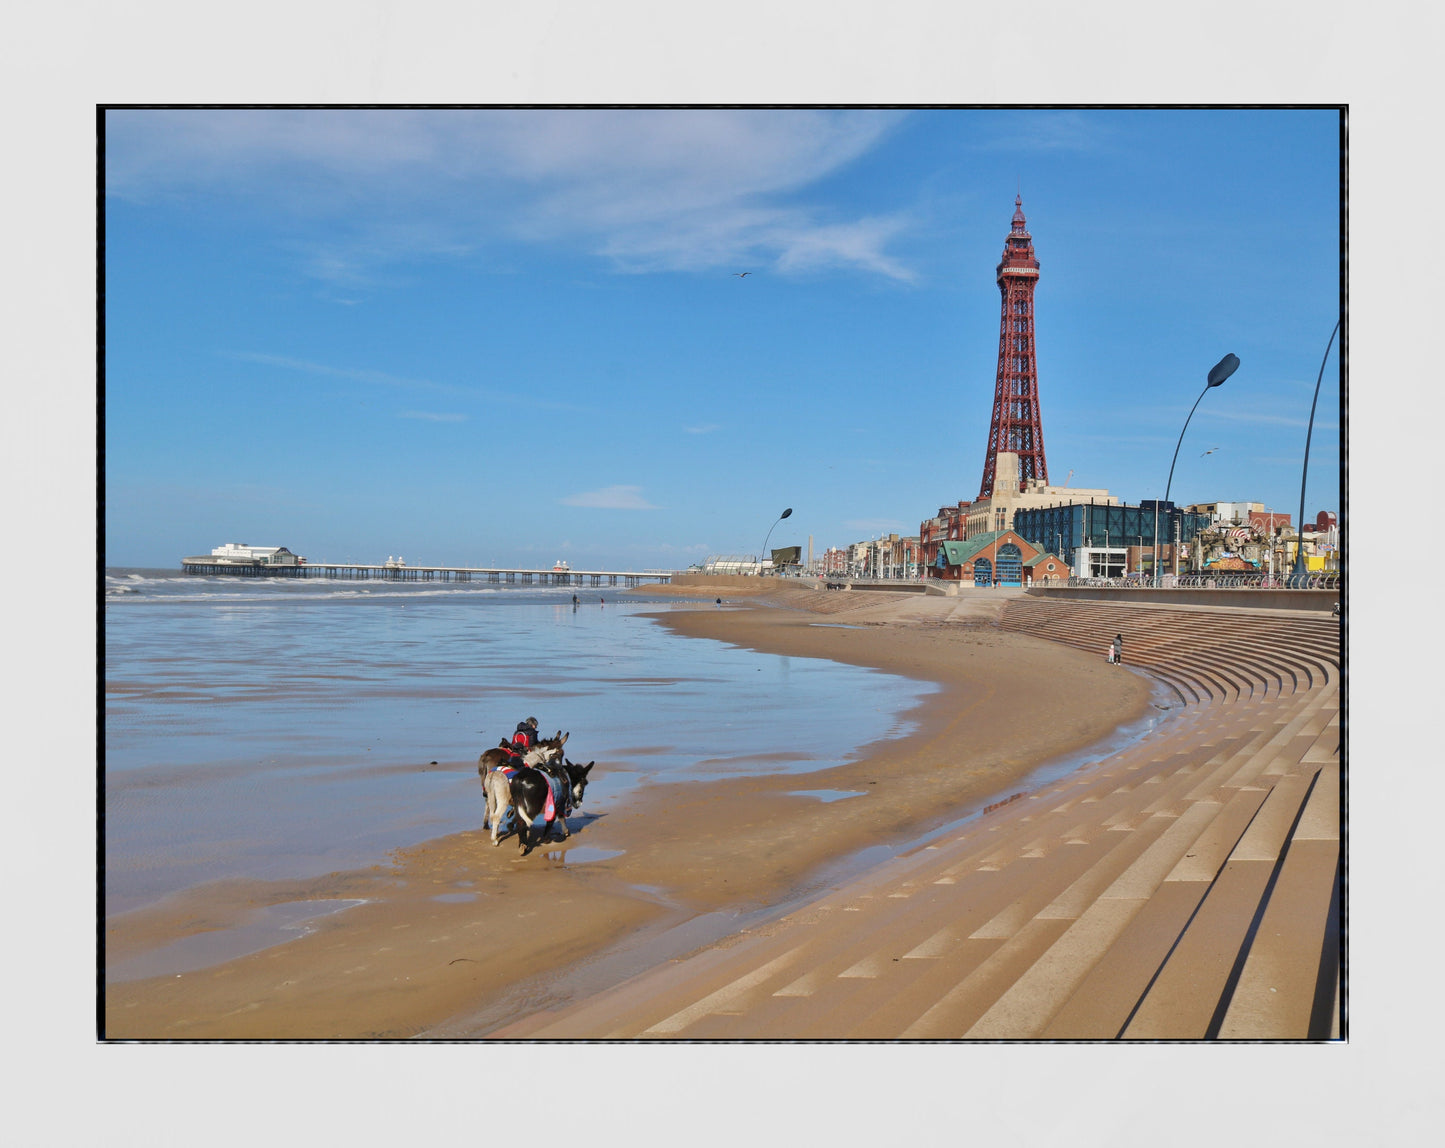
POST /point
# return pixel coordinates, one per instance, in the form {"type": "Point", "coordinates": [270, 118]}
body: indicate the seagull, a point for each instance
{"type": "Point", "coordinates": [741, 274]}
{"type": "Point", "coordinates": [1211, 450]}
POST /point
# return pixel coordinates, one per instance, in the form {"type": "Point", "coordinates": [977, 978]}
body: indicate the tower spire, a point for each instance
{"type": "Point", "coordinates": [1016, 426]}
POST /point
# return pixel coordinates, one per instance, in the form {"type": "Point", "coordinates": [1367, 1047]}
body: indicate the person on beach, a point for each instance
{"type": "Point", "coordinates": [1118, 648]}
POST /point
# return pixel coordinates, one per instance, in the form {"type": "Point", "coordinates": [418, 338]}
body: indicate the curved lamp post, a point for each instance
{"type": "Point", "coordinates": [1221, 371]}
{"type": "Point", "coordinates": [1300, 575]}
{"type": "Point", "coordinates": [770, 534]}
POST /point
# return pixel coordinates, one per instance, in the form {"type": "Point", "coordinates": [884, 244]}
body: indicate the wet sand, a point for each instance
{"type": "Point", "coordinates": [456, 938]}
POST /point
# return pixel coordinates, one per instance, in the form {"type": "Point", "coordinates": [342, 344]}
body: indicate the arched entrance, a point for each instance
{"type": "Point", "coordinates": [982, 572]}
{"type": "Point", "coordinates": [1010, 565]}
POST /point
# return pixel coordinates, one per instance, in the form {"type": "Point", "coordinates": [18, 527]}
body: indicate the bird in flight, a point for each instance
{"type": "Point", "coordinates": [741, 274]}
{"type": "Point", "coordinates": [1211, 450]}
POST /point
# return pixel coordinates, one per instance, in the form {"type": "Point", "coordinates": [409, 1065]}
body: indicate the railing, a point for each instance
{"type": "Point", "coordinates": [1231, 581]}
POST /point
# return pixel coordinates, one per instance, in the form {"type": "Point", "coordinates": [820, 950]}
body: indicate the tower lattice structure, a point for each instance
{"type": "Point", "coordinates": [1016, 424]}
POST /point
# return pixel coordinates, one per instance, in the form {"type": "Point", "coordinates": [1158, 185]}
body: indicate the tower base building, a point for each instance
{"type": "Point", "coordinates": [969, 520]}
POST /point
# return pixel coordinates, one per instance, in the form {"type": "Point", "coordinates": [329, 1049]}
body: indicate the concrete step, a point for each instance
{"type": "Point", "coordinates": [916, 955]}
{"type": "Point", "coordinates": [1114, 985]}
{"type": "Point", "coordinates": [1285, 988]}
{"type": "Point", "coordinates": [963, 926]}
{"type": "Point", "coordinates": [1027, 1006]}
{"type": "Point", "coordinates": [1111, 987]}
{"type": "Point", "coordinates": [1296, 945]}
{"type": "Point", "coordinates": [1124, 874]}
{"type": "Point", "coordinates": [1185, 997]}
{"type": "Point", "coordinates": [956, 1011]}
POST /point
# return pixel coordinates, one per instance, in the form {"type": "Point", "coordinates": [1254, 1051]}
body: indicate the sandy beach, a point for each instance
{"type": "Point", "coordinates": [455, 938]}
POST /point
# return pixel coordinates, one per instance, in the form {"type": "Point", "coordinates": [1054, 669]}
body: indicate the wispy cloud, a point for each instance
{"type": "Point", "coordinates": [612, 498]}
{"type": "Point", "coordinates": [1029, 130]}
{"type": "Point", "coordinates": [1258, 417]}
{"type": "Point", "coordinates": [430, 416]}
{"type": "Point", "coordinates": [706, 428]}
{"type": "Point", "coordinates": [657, 189]}
{"type": "Point", "coordinates": [359, 375]}
{"type": "Point", "coordinates": [387, 379]}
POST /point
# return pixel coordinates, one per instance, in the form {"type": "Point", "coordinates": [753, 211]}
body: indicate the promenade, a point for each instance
{"type": "Point", "coordinates": [1189, 887]}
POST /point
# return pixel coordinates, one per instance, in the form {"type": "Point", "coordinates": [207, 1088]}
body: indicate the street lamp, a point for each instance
{"type": "Point", "coordinates": [1222, 370]}
{"type": "Point", "coordinates": [1299, 575]}
{"type": "Point", "coordinates": [770, 534]}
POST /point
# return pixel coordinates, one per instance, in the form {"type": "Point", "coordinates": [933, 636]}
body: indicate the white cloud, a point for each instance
{"type": "Point", "coordinates": [612, 498]}
{"type": "Point", "coordinates": [860, 243]}
{"type": "Point", "coordinates": [651, 189]}
{"type": "Point", "coordinates": [707, 428]}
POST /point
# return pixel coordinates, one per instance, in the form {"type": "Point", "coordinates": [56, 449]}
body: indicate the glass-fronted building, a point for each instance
{"type": "Point", "coordinates": [1065, 529]}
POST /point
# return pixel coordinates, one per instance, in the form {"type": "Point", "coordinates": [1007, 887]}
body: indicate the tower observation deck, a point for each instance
{"type": "Point", "coordinates": [1016, 425]}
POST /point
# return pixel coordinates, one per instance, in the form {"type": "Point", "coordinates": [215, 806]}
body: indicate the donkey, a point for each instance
{"type": "Point", "coordinates": [545, 795]}
{"type": "Point", "coordinates": [504, 754]}
{"type": "Point", "coordinates": [497, 785]}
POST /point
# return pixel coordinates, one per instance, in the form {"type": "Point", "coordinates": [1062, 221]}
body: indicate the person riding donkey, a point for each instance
{"type": "Point", "coordinates": [526, 736]}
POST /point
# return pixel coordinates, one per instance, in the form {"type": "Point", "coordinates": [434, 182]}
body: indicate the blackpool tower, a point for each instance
{"type": "Point", "coordinates": [1016, 425]}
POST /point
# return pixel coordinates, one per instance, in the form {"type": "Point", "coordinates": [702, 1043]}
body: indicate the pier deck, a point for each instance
{"type": "Point", "coordinates": [394, 573]}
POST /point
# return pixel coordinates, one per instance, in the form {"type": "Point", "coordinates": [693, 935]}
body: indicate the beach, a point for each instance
{"type": "Point", "coordinates": [454, 937]}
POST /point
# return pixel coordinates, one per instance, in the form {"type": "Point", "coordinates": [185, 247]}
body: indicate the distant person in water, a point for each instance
{"type": "Point", "coordinates": [719, 601]}
{"type": "Point", "coordinates": [574, 600]}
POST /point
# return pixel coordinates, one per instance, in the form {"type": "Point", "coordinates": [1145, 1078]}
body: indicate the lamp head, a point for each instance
{"type": "Point", "coordinates": [1223, 369]}
{"type": "Point", "coordinates": [790, 509]}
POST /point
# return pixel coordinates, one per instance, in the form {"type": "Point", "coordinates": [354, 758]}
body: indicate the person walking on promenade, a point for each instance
{"type": "Point", "coordinates": [1118, 648]}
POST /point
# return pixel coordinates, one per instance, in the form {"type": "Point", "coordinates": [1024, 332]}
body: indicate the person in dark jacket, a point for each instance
{"type": "Point", "coordinates": [1118, 648]}
{"type": "Point", "coordinates": [526, 735]}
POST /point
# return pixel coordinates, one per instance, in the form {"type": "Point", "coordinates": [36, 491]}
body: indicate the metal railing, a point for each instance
{"type": "Point", "coordinates": [1231, 581]}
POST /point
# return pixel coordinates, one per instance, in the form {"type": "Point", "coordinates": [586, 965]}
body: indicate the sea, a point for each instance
{"type": "Point", "coordinates": [286, 728]}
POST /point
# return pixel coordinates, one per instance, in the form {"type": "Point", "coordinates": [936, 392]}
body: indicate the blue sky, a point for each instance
{"type": "Point", "coordinates": [483, 337]}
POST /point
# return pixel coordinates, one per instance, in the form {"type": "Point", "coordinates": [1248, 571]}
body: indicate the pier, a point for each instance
{"type": "Point", "coordinates": [391, 572]}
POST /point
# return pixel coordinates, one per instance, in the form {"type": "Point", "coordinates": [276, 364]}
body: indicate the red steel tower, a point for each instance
{"type": "Point", "coordinates": [1016, 425]}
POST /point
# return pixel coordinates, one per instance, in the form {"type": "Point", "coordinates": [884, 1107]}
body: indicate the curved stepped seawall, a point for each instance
{"type": "Point", "coordinates": [1201, 654]}
{"type": "Point", "coordinates": [1186, 888]}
